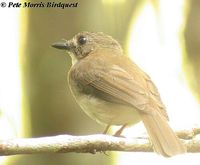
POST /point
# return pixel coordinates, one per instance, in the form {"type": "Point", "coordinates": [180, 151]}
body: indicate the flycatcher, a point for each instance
{"type": "Point", "coordinates": [113, 90]}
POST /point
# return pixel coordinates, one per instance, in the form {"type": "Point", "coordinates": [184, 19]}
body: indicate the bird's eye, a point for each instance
{"type": "Point", "coordinates": [82, 40]}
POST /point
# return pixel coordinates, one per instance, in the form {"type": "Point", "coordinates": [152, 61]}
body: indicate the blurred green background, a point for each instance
{"type": "Point", "coordinates": [48, 106]}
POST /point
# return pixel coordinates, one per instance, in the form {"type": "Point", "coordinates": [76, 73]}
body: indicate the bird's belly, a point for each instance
{"type": "Point", "coordinates": [107, 112]}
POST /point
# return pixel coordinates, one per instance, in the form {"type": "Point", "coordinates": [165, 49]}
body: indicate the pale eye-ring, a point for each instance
{"type": "Point", "coordinates": [82, 40]}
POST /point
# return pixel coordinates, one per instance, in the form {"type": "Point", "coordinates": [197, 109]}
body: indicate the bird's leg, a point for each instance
{"type": "Point", "coordinates": [118, 133]}
{"type": "Point", "coordinates": [106, 130]}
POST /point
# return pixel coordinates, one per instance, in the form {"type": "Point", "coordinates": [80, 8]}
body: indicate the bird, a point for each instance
{"type": "Point", "coordinates": [111, 89]}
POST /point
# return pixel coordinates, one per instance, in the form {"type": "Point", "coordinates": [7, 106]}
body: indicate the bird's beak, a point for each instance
{"type": "Point", "coordinates": [61, 45]}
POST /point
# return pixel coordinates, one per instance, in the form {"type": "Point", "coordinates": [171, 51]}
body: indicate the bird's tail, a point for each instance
{"type": "Point", "coordinates": [164, 140]}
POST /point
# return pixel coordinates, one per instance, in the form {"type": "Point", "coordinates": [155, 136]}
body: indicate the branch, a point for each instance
{"type": "Point", "coordinates": [89, 144]}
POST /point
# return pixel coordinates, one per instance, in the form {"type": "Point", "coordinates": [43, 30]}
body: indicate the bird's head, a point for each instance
{"type": "Point", "coordinates": [83, 43]}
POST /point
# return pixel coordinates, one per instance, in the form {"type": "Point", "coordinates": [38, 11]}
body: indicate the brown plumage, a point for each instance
{"type": "Point", "coordinates": [113, 90]}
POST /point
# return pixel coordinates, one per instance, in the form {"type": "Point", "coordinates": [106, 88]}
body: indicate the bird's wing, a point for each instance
{"type": "Point", "coordinates": [156, 96]}
{"type": "Point", "coordinates": [114, 84]}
